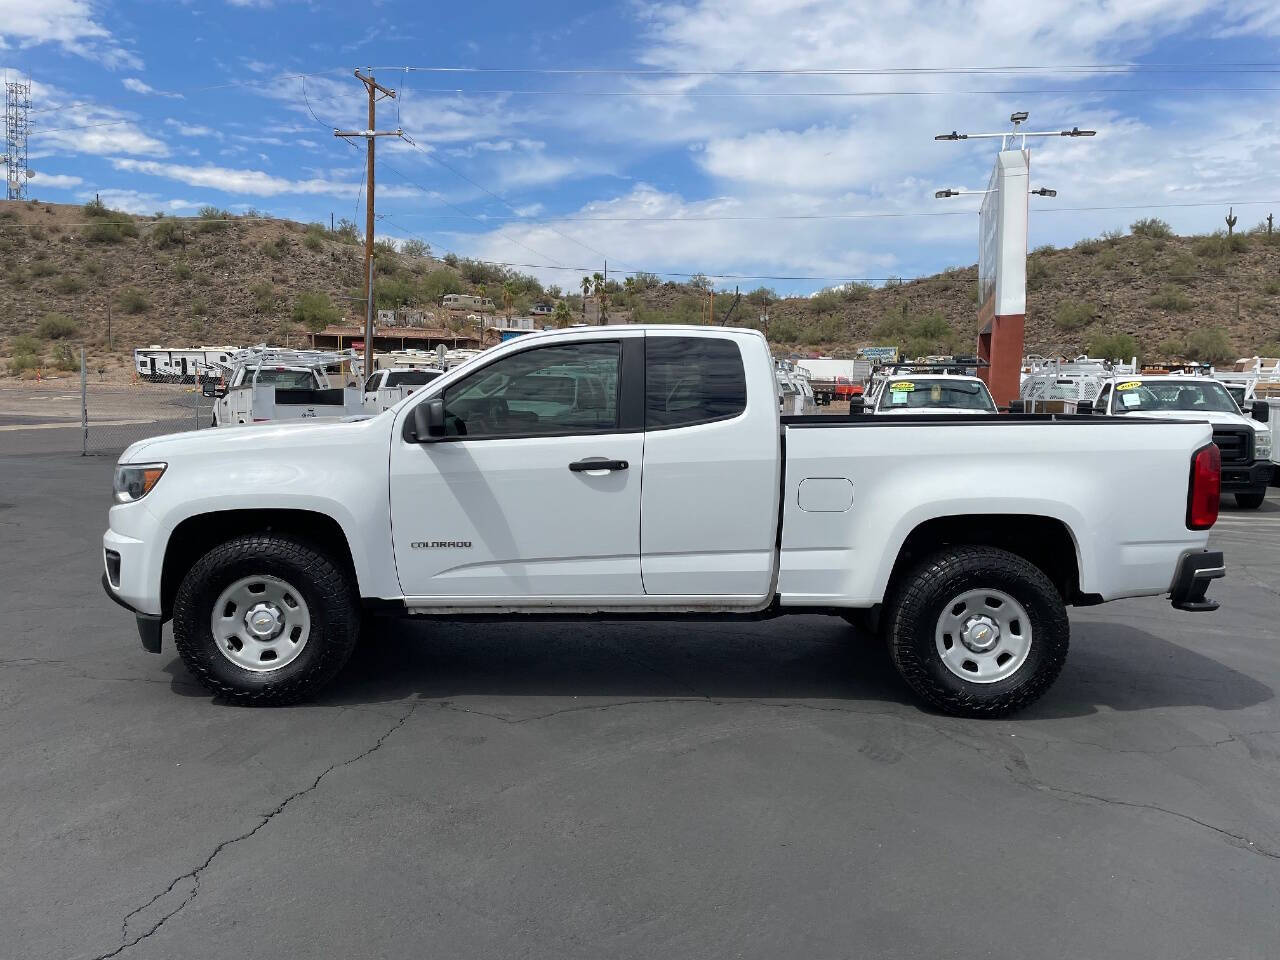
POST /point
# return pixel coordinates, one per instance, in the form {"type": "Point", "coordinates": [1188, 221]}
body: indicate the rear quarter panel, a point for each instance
{"type": "Point", "coordinates": [1121, 490]}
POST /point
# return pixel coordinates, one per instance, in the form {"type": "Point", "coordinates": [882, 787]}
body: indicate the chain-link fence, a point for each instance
{"type": "Point", "coordinates": [116, 414]}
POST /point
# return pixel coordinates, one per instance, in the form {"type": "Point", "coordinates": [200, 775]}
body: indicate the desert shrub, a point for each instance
{"type": "Point", "coordinates": [264, 296]}
{"type": "Point", "coordinates": [1271, 287]}
{"type": "Point", "coordinates": [182, 270]}
{"type": "Point", "coordinates": [783, 331]}
{"type": "Point", "coordinates": [275, 249]}
{"type": "Point", "coordinates": [439, 282]}
{"type": "Point", "coordinates": [1072, 314]}
{"type": "Point", "coordinates": [1038, 267]}
{"type": "Point", "coordinates": [68, 284]}
{"type": "Point", "coordinates": [1183, 269]}
{"type": "Point", "coordinates": [314, 239]}
{"type": "Point", "coordinates": [315, 311]}
{"type": "Point", "coordinates": [1210, 345]}
{"type": "Point", "coordinates": [1113, 346]}
{"type": "Point", "coordinates": [1106, 260]}
{"type": "Point", "coordinates": [1170, 297]}
{"type": "Point", "coordinates": [197, 307]}
{"type": "Point", "coordinates": [24, 343]}
{"type": "Point", "coordinates": [132, 300]}
{"type": "Point", "coordinates": [347, 231]}
{"type": "Point", "coordinates": [56, 326]}
{"type": "Point", "coordinates": [1219, 245]}
{"type": "Point", "coordinates": [202, 280]}
{"type": "Point", "coordinates": [413, 247]}
{"type": "Point", "coordinates": [1089, 246]}
{"type": "Point", "coordinates": [21, 362]}
{"type": "Point", "coordinates": [1152, 227]}
{"type": "Point", "coordinates": [111, 231]}
{"type": "Point", "coordinates": [1172, 348]}
{"type": "Point", "coordinates": [168, 233]}
{"type": "Point", "coordinates": [212, 220]}
{"type": "Point", "coordinates": [43, 268]}
{"type": "Point", "coordinates": [64, 358]}
{"type": "Point", "coordinates": [1111, 236]}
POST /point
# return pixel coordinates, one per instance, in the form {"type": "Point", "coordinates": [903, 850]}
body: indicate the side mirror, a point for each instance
{"type": "Point", "coordinates": [1017, 406]}
{"type": "Point", "coordinates": [428, 421]}
{"type": "Point", "coordinates": [211, 388]}
{"type": "Point", "coordinates": [1260, 411]}
{"type": "Point", "coordinates": [857, 405]}
{"type": "Point", "coordinates": [1085, 408]}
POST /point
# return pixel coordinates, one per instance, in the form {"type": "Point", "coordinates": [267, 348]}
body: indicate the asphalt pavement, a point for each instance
{"type": "Point", "coordinates": [757, 790]}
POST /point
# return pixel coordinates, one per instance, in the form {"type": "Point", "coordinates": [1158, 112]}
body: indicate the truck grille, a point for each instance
{"type": "Point", "coordinates": [1235, 443]}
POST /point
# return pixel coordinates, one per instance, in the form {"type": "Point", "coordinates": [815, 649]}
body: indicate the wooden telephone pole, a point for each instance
{"type": "Point", "coordinates": [376, 92]}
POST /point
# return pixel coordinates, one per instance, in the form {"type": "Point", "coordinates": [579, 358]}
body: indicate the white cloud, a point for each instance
{"type": "Point", "coordinates": [136, 85]}
{"type": "Point", "coordinates": [255, 183]}
{"type": "Point", "coordinates": [138, 202]}
{"type": "Point", "coordinates": [192, 129]}
{"type": "Point", "coordinates": [71, 24]}
{"type": "Point", "coordinates": [54, 181]}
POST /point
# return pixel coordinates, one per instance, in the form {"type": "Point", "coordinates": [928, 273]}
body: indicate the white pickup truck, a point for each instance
{"type": "Point", "coordinates": [663, 484]}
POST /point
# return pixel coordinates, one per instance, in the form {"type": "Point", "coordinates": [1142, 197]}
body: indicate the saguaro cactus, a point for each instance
{"type": "Point", "coordinates": [1231, 219]}
{"type": "Point", "coordinates": [1268, 224]}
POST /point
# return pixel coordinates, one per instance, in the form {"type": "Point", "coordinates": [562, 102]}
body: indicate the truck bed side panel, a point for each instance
{"type": "Point", "coordinates": [1121, 491]}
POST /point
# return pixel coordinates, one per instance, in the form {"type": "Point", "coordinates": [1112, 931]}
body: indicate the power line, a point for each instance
{"type": "Point", "coordinates": [1094, 68]}
{"type": "Point", "coordinates": [771, 94]}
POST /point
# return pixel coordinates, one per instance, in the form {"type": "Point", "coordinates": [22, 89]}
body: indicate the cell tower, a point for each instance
{"type": "Point", "coordinates": [17, 126]}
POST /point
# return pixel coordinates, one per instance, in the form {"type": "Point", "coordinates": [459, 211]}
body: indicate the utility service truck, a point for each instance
{"type": "Point", "coordinates": [663, 484]}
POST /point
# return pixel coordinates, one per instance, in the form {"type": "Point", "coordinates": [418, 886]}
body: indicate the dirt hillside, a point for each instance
{"type": "Point", "coordinates": [220, 279]}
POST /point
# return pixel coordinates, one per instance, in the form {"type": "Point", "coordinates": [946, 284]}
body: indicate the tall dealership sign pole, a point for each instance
{"type": "Point", "coordinates": [1002, 253]}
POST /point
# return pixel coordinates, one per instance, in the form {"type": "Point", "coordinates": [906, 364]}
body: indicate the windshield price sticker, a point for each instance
{"type": "Point", "coordinates": [1131, 385]}
{"type": "Point", "coordinates": [902, 386]}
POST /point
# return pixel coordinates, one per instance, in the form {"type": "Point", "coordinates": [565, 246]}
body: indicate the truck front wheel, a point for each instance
{"type": "Point", "coordinates": [265, 619]}
{"type": "Point", "coordinates": [978, 631]}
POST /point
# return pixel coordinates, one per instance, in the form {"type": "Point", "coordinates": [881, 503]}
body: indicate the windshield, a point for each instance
{"type": "Point", "coordinates": [1198, 396]}
{"type": "Point", "coordinates": [286, 379]}
{"type": "Point", "coordinates": [410, 378]}
{"type": "Point", "coordinates": [935, 395]}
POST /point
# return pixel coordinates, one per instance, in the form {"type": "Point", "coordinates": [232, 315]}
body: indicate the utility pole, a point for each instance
{"type": "Point", "coordinates": [376, 92]}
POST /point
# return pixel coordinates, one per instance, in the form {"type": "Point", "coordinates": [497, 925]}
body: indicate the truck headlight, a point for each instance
{"type": "Point", "coordinates": [1262, 445]}
{"type": "Point", "coordinates": [133, 481]}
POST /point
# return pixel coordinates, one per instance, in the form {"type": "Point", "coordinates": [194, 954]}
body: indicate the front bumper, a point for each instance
{"type": "Point", "coordinates": [1250, 476]}
{"type": "Point", "coordinates": [150, 625]}
{"type": "Point", "coordinates": [1195, 570]}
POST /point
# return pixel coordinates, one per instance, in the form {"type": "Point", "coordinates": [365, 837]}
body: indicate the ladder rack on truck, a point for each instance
{"type": "Point", "coordinates": [263, 384]}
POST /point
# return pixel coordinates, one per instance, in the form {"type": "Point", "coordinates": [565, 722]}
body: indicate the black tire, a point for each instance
{"type": "Point", "coordinates": [921, 598]}
{"type": "Point", "coordinates": [1250, 501]}
{"type": "Point", "coordinates": [332, 601]}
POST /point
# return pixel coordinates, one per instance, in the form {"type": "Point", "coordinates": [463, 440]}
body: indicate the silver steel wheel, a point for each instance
{"type": "Point", "coordinates": [983, 636]}
{"type": "Point", "coordinates": [260, 623]}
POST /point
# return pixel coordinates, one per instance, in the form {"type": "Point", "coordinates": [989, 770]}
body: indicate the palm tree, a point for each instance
{"type": "Point", "coordinates": [561, 315]}
{"type": "Point", "coordinates": [586, 292]}
{"type": "Point", "coordinates": [602, 296]}
{"type": "Point", "coordinates": [508, 298]}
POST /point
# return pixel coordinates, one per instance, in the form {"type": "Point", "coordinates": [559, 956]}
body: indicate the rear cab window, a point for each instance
{"type": "Point", "coordinates": [692, 380]}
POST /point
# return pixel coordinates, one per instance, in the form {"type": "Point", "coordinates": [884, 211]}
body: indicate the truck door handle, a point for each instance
{"type": "Point", "coordinates": [586, 466]}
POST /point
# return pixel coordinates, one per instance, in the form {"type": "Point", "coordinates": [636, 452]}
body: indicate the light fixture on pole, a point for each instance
{"type": "Point", "coordinates": [1002, 249]}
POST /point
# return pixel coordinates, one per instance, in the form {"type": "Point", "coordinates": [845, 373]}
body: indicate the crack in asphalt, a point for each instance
{"type": "Point", "coordinates": [1014, 763]}
{"type": "Point", "coordinates": [85, 675]}
{"type": "Point", "coordinates": [194, 874]}
{"type": "Point", "coordinates": [1020, 773]}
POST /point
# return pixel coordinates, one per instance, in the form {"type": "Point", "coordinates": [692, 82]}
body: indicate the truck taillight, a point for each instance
{"type": "Point", "coordinates": [1206, 488]}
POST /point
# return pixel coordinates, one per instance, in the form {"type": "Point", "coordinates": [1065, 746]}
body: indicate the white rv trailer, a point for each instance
{"type": "Point", "coordinates": [180, 364]}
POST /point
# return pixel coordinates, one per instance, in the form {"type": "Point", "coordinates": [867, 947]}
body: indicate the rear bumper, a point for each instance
{"type": "Point", "coordinates": [1195, 570]}
{"type": "Point", "coordinates": [150, 625]}
{"type": "Point", "coordinates": [1250, 476]}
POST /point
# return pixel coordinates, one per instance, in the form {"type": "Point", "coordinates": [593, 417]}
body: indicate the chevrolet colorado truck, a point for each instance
{"type": "Point", "coordinates": [667, 485]}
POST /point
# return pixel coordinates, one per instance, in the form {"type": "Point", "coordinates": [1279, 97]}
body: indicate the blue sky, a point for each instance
{"type": "Point", "coordinates": [173, 104]}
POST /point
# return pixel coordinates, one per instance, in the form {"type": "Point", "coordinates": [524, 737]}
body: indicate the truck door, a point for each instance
{"type": "Point", "coordinates": [507, 507]}
{"type": "Point", "coordinates": [712, 465]}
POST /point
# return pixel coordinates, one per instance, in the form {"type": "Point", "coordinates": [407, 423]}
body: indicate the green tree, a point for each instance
{"type": "Point", "coordinates": [586, 292]}
{"type": "Point", "coordinates": [1210, 345]}
{"type": "Point", "coordinates": [1113, 346]}
{"type": "Point", "coordinates": [561, 316]}
{"type": "Point", "coordinates": [315, 311]}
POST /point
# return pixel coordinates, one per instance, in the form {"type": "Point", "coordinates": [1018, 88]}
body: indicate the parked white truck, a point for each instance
{"type": "Point", "coordinates": [670, 487]}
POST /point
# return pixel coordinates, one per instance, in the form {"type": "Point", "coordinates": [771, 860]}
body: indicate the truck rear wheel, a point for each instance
{"type": "Point", "coordinates": [1251, 500]}
{"type": "Point", "coordinates": [978, 631]}
{"type": "Point", "coordinates": [265, 619]}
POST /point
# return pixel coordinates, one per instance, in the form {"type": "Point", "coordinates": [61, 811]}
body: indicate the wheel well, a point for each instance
{"type": "Point", "coordinates": [194, 537]}
{"type": "Point", "coordinates": [1044, 541]}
